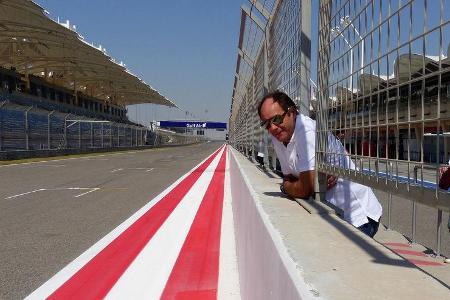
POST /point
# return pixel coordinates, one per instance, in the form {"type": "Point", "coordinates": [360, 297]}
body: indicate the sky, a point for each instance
{"type": "Point", "coordinates": [185, 49]}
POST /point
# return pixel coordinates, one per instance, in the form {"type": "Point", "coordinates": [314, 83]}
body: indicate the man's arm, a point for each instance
{"type": "Point", "coordinates": [301, 187]}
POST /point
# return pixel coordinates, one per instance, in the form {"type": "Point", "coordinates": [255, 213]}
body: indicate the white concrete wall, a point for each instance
{"type": "Point", "coordinates": [265, 270]}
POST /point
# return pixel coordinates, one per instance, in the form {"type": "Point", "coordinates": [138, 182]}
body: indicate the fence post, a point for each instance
{"type": "Point", "coordinates": [1, 126]}
{"type": "Point", "coordinates": [92, 135]}
{"type": "Point", "coordinates": [65, 131]}
{"type": "Point", "coordinates": [102, 135]}
{"type": "Point", "coordinates": [438, 233]}
{"type": "Point", "coordinates": [27, 136]}
{"type": "Point", "coordinates": [118, 136]}
{"type": "Point", "coordinates": [414, 209]}
{"type": "Point", "coordinates": [49, 130]}
{"type": "Point", "coordinates": [79, 134]}
{"type": "Point", "coordinates": [136, 133]}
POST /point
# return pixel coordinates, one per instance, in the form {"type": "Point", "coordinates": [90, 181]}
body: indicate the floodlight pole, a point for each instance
{"type": "Point", "coordinates": [337, 32]}
{"type": "Point", "coordinates": [346, 21]}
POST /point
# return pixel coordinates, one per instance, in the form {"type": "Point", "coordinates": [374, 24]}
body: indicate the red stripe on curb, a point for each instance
{"type": "Point", "coordinates": [409, 252]}
{"type": "Point", "coordinates": [398, 245]}
{"type": "Point", "coordinates": [418, 262]}
{"type": "Point", "coordinates": [196, 271]}
{"type": "Point", "coordinates": [95, 279]}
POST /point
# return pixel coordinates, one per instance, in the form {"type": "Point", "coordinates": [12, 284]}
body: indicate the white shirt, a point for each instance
{"type": "Point", "coordinates": [357, 201]}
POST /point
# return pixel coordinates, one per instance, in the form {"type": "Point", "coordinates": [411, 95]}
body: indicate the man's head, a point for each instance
{"type": "Point", "coordinates": [277, 113]}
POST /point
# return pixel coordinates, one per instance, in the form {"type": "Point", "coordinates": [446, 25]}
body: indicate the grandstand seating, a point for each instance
{"type": "Point", "coordinates": [28, 127]}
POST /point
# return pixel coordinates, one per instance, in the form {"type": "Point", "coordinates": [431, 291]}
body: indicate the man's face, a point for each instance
{"type": "Point", "coordinates": [284, 131]}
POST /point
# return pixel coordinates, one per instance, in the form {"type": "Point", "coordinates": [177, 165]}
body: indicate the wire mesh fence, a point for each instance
{"type": "Point", "coordinates": [383, 75]}
{"type": "Point", "coordinates": [274, 53]}
{"type": "Point", "coordinates": [383, 89]}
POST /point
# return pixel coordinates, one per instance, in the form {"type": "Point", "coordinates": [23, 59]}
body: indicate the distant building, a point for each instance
{"type": "Point", "coordinates": [213, 131]}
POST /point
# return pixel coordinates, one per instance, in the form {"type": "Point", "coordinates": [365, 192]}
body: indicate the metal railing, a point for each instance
{"type": "Point", "coordinates": [30, 128]}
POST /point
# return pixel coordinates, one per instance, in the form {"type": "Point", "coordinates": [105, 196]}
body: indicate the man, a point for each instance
{"type": "Point", "coordinates": [294, 140]}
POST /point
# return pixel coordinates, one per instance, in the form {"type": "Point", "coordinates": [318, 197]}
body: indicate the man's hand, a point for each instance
{"type": "Point", "coordinates": [289, 177]}
{"type": "Point", "coordinates": [331, 182]}
{"type": "Point", "coordinates": [442, 170]}
{"type": "Point", "coordinates": [301, 186]}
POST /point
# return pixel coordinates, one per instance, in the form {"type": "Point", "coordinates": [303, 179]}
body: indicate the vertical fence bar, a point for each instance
{"type": "Point", "coordinates": [102, 135]}
{"type": "Point", "coordinates": [118, 136]}
{"type": "Point", "coordinates": [131, 136]}
{"type": "Point", "coordinates": [49, 130]}
{"type": "Point", "coordinates": [79, 134]}
{"type": "Point", "coordinates": [65, 132]}
{"type": "Point", "coordinates": [92, 135]}
{"type": "Point", "coordinates": [1, 126]}
{"type": "Point", "coordinates": [27, 130]}
{"type": "Point", "coordinates": [438, 232]}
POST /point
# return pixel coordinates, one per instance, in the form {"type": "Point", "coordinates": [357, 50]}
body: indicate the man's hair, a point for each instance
{"type": "Point", "coordinates": [281, 98]}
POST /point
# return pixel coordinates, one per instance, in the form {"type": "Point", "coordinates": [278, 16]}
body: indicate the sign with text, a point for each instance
{"type": "Point", "coordinates": [192, 124]}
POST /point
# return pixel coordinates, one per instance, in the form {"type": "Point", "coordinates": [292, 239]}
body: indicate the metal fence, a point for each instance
{"type": "Point", "coordinates": [383, 75]}
{"type": "Point", "coordinates": [30, 128]}
{"type": "Point", "coordinates": [273, 53]}
{"type": "Point", "coordinates": [384, 91]}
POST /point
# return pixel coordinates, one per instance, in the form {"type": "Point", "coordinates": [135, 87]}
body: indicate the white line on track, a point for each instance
{"type": "Point", "coordinates": [23, 194]}
{"type": "Point", "coordinates": [54, 166]}
{"type": "Point", "coordinates": [228, 286]}
{"type": "Point", "coordinates": [85, 193]}
{"type": "Point", "coordinates": [95, 158]}
{"type": "Point", "coordinates": [56, 189]}
{"type": "Point", "coordinates": [121, 169]}
{"type": "Point", "coordinates": [92, 157]}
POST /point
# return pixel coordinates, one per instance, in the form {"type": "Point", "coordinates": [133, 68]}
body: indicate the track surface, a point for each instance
{"type": "Point", "coordinates": [51, 212]}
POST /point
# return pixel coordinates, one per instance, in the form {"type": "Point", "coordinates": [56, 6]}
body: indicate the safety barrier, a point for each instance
{"type": "Point", "coordinates": [291, 251]}
{"type": "Point", "coordinates": [265, 270]}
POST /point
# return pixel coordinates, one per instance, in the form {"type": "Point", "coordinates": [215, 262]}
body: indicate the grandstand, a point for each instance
{"type": "Point", "coordinates": [58, 91]}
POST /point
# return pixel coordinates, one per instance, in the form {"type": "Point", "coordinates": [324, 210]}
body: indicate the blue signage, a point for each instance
{"type": "Point", "coordinates": [191, 124]}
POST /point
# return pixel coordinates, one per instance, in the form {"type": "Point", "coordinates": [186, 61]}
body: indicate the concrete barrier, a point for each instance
{"type": "Point", "coordinates": [266, 271]}
{"type": "Point", "coordinates": [298, 250]}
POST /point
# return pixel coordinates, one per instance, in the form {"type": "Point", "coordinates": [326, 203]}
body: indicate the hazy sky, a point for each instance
{"type": "Point", "coordinates": [186, 49]}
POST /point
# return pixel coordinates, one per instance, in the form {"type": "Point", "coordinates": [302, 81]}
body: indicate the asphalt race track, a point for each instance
{"type": "Point", "coordinates": [50, 212]}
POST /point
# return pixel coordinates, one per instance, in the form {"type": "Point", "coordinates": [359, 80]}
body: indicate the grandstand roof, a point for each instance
{"type": "Point", "coordinates": [34, 44]}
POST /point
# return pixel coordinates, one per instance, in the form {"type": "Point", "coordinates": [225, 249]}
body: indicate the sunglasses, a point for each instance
{"type": "Point", "coordinates": [276, 120]}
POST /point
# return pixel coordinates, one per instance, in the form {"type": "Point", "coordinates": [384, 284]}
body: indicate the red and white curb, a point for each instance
{"type": "Point", "coordinates": [170, 248]}
{"type": "Point", "coordinates": [418, 258]}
